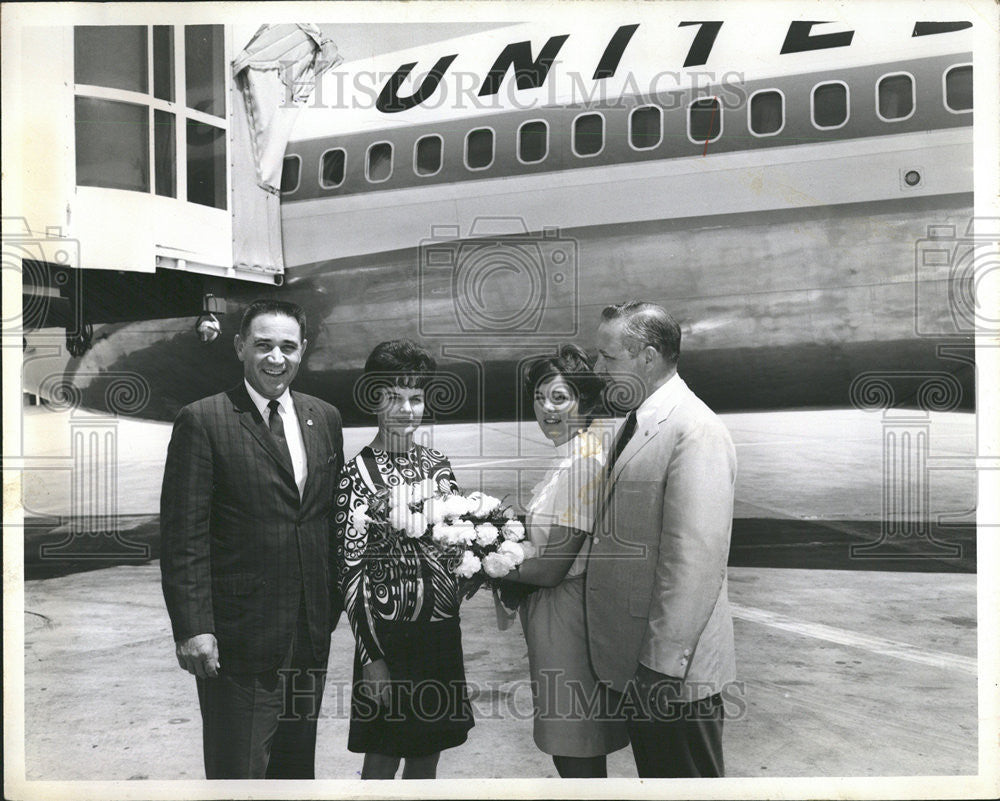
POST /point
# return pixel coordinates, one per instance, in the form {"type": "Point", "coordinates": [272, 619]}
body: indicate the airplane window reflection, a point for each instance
{"type": "Point", "coordinates": [829, 105]}
{"type": "Point", "coordinates": [379, 162]}
{"type": "Point", "coordinates": [958, 88]}
{"type": "Point", "coordinates": [533, 141]}
{"type": "Point", "coordinates": [333, 168]}
{"type": "Point", "coordinates": [895, 97]}
{"type": "Point", "coordinates": [588, 134]}
{"type": "Point", "coordinates": [766, 113]}
{"type": "Point", "coordinates": [645, 128]}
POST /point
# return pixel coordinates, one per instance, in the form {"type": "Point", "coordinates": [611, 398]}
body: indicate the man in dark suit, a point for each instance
{"type": "Point", "coordinates": [659, 627]}
{"type": "Point", "coordinates": [245, 525]}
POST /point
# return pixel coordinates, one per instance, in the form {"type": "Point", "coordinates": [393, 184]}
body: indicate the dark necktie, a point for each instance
{"type": "Point", "coordinates": [277, 426]}
{"type": "Point", "coordinates": [623, 437]}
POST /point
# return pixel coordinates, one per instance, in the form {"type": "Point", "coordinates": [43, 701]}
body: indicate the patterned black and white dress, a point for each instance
{"type": "Point", "coordinates": [403, 605]}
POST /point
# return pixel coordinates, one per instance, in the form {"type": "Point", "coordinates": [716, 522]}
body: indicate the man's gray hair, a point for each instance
{"type": "Point", "coordinates": [647, 324]}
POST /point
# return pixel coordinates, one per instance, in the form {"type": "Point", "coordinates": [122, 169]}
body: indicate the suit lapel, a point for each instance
{"type": "Point", "coordinates": [310, 439]}
{"type": "Point", "coordinates": [647, 429]}
{"type": "Point", "coordinates": [251, 420]}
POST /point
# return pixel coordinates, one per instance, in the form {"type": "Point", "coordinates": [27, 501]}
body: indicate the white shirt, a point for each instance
{"type": "Point", "coordinates": [567, 495]}
{"type": "Point", "coordinates": [293, 434]}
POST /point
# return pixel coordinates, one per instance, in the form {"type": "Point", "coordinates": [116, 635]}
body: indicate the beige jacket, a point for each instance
{"type": "Point", "coordinates": [656, 574]}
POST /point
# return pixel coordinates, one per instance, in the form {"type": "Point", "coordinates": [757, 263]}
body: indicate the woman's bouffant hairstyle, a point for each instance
{"type": "Point", "coordinates": [403, 362]}
{"type": "Point", "coordinates": [575, 367]}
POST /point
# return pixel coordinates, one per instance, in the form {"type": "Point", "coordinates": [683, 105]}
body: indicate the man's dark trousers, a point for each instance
{"type": "Point", "coordinates": [263, 725]}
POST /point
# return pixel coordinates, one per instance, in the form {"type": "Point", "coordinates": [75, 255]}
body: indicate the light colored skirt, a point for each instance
{"type": "Point", "coordinates": [571, 708]}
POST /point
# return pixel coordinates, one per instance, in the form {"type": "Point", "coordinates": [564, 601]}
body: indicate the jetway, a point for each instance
{"type": "Point", "coordinates": [151, 159]}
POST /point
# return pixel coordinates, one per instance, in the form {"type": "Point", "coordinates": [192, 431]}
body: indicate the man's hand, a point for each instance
{"type": "Point", "coordinates": [375, 682]}
{"type": "Point", "coordinates": [199, 655]}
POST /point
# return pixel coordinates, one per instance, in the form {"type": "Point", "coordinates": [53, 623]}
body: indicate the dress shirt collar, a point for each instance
{"type": "Point", "coordinates": [661, 399]}
{"type": "Point", "coordinates": [284, 401]}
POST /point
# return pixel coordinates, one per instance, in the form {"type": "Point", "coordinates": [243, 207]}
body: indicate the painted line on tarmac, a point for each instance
{"type": "Point", "coordinates": [541, 460]}
{"type": "Point", "coordinates": [879, 645]}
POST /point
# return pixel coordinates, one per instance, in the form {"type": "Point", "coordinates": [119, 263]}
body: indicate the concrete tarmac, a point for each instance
{"type": "Point", "coordinates": [842, 671]}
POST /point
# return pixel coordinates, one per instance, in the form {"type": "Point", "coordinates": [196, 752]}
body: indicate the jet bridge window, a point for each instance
{"type": "Point", "coordinates": [112, 56]}
{"type": "Point", "coordinates": [147, 133]}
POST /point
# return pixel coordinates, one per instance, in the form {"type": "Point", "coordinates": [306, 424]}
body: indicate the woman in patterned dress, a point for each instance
{"type": "Point", "coordinates": [409, 700]}
{"type": "Point", "coordinates": [572, 721]}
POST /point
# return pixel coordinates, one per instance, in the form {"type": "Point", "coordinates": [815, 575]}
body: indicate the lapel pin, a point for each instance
{"type": "Point", "coordinates": [309, 422]}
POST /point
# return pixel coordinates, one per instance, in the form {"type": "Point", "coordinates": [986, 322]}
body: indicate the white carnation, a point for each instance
{"type": "Point", "coordinates": [455, 506]}
{"type": "Point", "coordinates": [469, 565]}
{"type": "Point", "coordinates": [486, 534]}
{"type": "Point", "coordinates": [497, 565]}
{"type": "Point", "coordinates": [465, 531]}
{"type": "Point", "coordinates": [513, 530]}
{"type": "Point", "coordinates": [530, 551]}
{"type": "Point", "coordinates": [416, 525]}
{"type": "Point", "coordinates": [434, 509]}
{"type": "Point", "coordinates": [514, 550]}
{"type": "Point", "coordinates": [445, 534]}
{"type": "Point", "coordinates": [359, 518]}
{"type": "Point", "coordinates": [483, 504]}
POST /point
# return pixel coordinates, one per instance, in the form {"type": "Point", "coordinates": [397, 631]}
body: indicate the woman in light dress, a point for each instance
{"type": "Point", "coordinates": [571, 716]}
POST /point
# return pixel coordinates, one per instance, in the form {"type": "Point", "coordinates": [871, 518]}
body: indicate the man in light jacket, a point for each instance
{"type": "Point", "coordinates": [659, 626]}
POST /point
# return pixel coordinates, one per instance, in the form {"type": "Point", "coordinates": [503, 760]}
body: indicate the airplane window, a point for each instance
{"type": "Point", "coordinates": [290, 169]}
{"type": "Point", "coordinates": [204, 68]}
{"type": "Point", "coordinates": [705, 120]}
{"type": "Point", "coordinates": [767, 113]}
{"type": "Point", "coordinates": [111, 55]}
{"type": "Point", "coordinates": [333, 166]}
{"type": "Point", "coordinates": [379, 162]}
{"type": "Point", "coordinates": [895, 97]}
{"type": "Point", "coordinates": [163, 62]}
{"type": "Point", "coordinates": [958, 88]}
{"type": "Point", "coordinates": [165, 152]}
{"type": "Point", "coordinates": [829, 105]}
{"type": "Point", "coordinates": [112, 144]}
{"type": "Point", "coordinates": [645, 127]}
{"type": "Point", "coordinates": [588, 134]}
{"type": "Point", "coordinates": [479, 149]}
{"type": "Point", "coordinates": [206, 164]}
{"type": "Point", "coordinates": [427, 158]}
{"type": "Point", "coordinates": [533, 141]}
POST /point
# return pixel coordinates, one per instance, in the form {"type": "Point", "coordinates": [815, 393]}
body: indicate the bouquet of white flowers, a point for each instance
{"type": "Point", "coordinates": [478, 536]}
